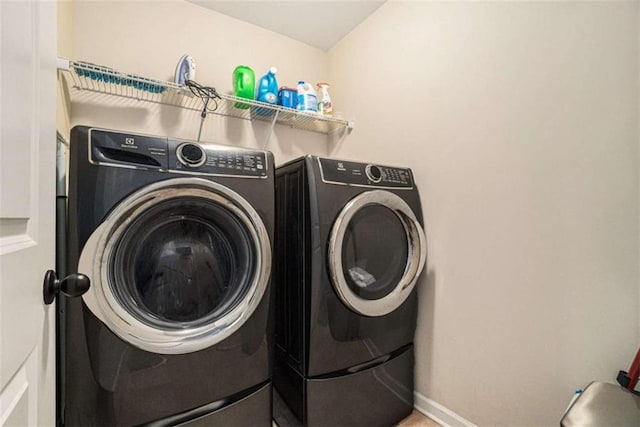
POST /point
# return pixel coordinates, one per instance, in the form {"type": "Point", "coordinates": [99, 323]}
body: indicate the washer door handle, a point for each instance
{"type": "Point", "coordinates": [74, 285]}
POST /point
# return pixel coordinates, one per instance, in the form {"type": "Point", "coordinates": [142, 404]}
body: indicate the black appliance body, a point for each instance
{"type": "Point", "coordinates": [350, 247]}
{"type": "Point", "coordinates": [176, 238]}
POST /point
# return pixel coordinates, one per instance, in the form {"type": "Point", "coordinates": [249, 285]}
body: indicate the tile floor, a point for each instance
{"type": "Point", "coordinates": [416, 419]}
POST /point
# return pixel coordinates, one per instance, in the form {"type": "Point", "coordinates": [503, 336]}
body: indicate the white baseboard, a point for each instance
{"type": "Point", "coordinates": [438, 413]}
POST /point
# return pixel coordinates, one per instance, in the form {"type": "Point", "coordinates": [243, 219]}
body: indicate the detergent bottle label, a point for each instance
{"type": "Point", "coordinates": [312, 102]}
{"type": "Point", "coordinates": [307, 102]}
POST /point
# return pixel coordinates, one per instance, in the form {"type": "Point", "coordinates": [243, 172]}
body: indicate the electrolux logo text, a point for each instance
{"type": "Point", "coordinates": [129, 143]}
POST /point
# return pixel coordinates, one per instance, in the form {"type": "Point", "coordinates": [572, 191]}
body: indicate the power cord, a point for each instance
{"type": "Point", "coordinates": [207, 94]}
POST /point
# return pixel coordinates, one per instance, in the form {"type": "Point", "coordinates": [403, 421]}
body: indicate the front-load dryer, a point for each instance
{"type": "Point", "coordinates": [176, 239]}
{"type": "Point", "coordinates": [350, 247]}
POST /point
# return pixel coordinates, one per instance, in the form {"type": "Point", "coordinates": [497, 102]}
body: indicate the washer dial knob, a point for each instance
{"type": "Point", "coordinates": [191, 155]}
{"type": "Point", "coordinates": [374, 173]}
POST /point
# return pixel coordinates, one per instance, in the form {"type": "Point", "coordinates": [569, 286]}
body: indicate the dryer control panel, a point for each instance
{"type": "Point", "coordinates": [363, 174]}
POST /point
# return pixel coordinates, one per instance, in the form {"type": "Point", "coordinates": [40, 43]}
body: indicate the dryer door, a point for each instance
{"type": "Point", "coordinates": [377, 250]}
{"type": "Point", "coordinates": [178, 266]}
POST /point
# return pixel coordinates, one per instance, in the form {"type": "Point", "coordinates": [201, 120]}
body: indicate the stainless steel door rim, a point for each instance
{"type": "Point", "coordinates": [417, 253]}
{"type": "Point", "coordinates": [98, 253]}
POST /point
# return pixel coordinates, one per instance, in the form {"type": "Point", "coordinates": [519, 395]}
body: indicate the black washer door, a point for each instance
{"type": "Point", "coordinates": [178, 266]}
{"type": "Point", "coordinates": [377, 250]}
{"type": "Point", "coordinates": [374, 252]}
{"type": "Point", "coordinates": [182, 263]}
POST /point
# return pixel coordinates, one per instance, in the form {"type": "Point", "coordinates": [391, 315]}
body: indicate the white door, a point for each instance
{"type": "Point", "coordinates": [27, 211]}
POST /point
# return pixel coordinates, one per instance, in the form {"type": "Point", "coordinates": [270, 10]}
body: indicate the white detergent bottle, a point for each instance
{"type": "Point", "coordinates": [307, 99]}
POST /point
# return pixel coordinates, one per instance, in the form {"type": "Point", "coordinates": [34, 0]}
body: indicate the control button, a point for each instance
{"type": "Point", "coordinates": [373, 173]}
{"type": "Point", "coordinates": [191, 155]}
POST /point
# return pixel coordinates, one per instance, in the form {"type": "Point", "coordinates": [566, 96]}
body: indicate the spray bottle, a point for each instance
{"type": "Point", "coordinates": [325, 106]}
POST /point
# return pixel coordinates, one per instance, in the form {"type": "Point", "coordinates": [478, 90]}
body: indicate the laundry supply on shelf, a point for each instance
{"type": "Point", "coordinates": [268, 87]}
{"type": "Point", "coordinates": [307, 99]}
{"type": "Point", "coordinates": [244, 85]}
{"type": "Point", "coordinates": [325, 107]}
{"type": "Point", "coordinates": [288, 97]}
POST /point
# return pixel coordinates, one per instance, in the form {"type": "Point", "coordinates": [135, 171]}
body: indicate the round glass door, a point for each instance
{"type": "Point", "coordinates": [178, 266]}
{"type": "Point", "coordinates": [376, 252]}
{"type": "Point", "coordinates": [181, 263]}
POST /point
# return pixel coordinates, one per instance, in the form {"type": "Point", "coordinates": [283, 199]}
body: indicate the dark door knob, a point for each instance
{"type": "Point", "coordinates": [73, 285]}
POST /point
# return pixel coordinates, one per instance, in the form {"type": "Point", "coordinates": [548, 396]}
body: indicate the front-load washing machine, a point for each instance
{"type": "Point", "coordinates": [350, 246]}
{"type": "Point", "coordinates": [176, 239]}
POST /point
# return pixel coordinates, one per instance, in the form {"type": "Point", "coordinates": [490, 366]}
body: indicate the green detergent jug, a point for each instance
{"type": "Point", "coordinates": [244, 85]}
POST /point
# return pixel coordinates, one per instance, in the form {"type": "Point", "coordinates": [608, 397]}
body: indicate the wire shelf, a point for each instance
{"type": "Point", "coordinates": [104, 80]}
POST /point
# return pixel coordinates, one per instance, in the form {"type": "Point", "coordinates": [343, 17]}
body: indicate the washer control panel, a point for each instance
{"type": "Point", "coordinates": [194, 157]}
{"type": "Point", "coordinates": [112, 148]}
{"type": "Point", "coordinates": [363, 174]}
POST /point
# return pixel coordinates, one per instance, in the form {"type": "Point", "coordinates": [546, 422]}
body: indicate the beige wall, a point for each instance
{"type": "Point", "coordinates": [520, 123]}
{"type": "Point", "coordinates": [148, 37]}
{"type": "Point", "coordinates": [638, 125]}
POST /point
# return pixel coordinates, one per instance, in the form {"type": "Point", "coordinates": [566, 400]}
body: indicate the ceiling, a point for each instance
{"type": "Point", "coordinates": [317, 23]}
